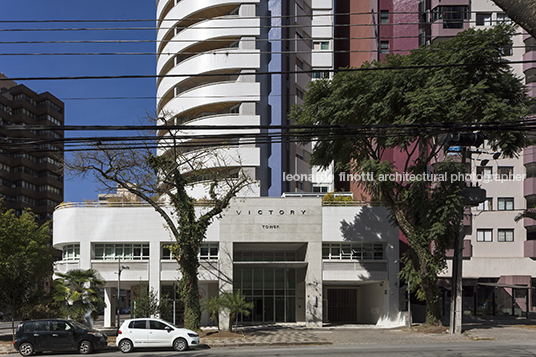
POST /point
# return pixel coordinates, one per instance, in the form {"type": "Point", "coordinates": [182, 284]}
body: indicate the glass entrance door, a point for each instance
{"type": "Point", "coordinates": [272, 291]}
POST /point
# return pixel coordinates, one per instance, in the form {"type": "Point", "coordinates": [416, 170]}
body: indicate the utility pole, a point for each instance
{"type": "Point", "coordinates": [471, 196]}
{"type": "Point", "coordinates": [120, 268]}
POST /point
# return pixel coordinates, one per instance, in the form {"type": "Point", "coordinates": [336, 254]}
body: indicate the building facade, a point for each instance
{"type": "Point", "coordinates": [240, 64]}
{"type": "Point", "coordinates": [31, 176]}
{"type": "Point", "coordinates": [295, 258]}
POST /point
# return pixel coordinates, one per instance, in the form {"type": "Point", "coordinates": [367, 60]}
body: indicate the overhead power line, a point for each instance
{"type": "Point", "coordinates": [133, 76]}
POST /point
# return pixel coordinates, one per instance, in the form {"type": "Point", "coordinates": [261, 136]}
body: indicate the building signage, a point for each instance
{"type": "Point", "coordinates": [272, 212]}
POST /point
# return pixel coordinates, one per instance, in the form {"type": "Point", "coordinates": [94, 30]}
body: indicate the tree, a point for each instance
{"type": "Point", "coordinates": [403, 104]}
{"type": "Point", "coordinates": [145, 301]}
{"type": "Point", "coordinates": [213, 305]}
{"type": "Point", "coordinates": [79, 293]}
{"type": "Point", "coordinates": [523, 12]}
{"type": "Point", "coordinates": [164, 181]}
{"type": "Point", "coordinates": [26, 259]}
{"type": "Point", "coordinates": [236, 304]}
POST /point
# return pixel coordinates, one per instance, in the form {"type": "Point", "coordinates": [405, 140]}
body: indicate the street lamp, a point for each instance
{"type": "Point", "coordinates": [120, 268]}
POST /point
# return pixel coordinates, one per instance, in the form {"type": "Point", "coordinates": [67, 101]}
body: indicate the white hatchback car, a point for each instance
{"type": "Point", "coordinates": [151, 332]}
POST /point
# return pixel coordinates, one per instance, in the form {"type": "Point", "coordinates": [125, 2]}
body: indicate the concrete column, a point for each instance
{"type": "Point", "coordinates": [313, 285]}
{"type": "Point", "coordinates": [154, 267]}
{"type": "Point", "coordinates": [225, 278]}
{"type": "Point", "coordinates": [85, 255]}
{"type": "Point", "coordinates": [109, 310]}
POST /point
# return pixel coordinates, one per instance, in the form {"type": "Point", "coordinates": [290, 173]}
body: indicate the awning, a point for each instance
{"type": "Point", "coordinates": [508, 286]}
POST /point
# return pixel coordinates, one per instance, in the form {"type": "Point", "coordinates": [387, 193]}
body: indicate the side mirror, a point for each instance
{"type": "Point", "coordinates": [168, 329]}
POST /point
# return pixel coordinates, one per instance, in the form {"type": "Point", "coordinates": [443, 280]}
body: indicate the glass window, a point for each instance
{"type": "Point", "coordinates": [483, 19]}
{"type": "Point", "coordinates": [486, 205]}
{"type": "Point", "coordinates": [71, 252]}
{"type": "Point", "coordinates": [384, 16]}
{"type": "Point", "coordinates": [355, 251]}
{"type": "Point", "coordinates": [505, 204]}
{"type": "Point", "coordinates": [484, 172]}
{"type": "Point", "coordinates": [484, 235]}
{"type": "Point", "coordinates": [41, 326]}
{"type": "Point", "coordinates": [141, 324]}
{"type": "Point", "coordinates": [505, 172]}
{"type": "Point", "coordinates": [122, 251]}
{"type": "Point", "coordinates": [505, 235]}
{"type": "Point", "coordinates": [321, 45]}
{"type": "Point", "coordinates": [384, 47]}
{"type": "Point", "coordinates": [157, 325]}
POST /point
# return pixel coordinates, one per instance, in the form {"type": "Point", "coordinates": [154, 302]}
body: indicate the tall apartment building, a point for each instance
{"type": "Point", "coordinates": [498, 266]}
{"type": "Point", "coordinates": [30, 176]}
{"type": "Point", "coordinates": [241, 62]}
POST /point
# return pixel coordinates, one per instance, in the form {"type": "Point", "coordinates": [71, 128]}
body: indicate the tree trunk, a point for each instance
{"type": "Point", "coordinates": [523, 12]}
{"type": "Point", "coordinates": [190, 292]}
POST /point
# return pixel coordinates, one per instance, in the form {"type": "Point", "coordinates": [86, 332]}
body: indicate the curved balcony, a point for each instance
{"type": "Point", "coordinates": [209, 62]}
{"type": "Point", "coordinates": [187, 8]}
{"type": "Point", "coordinates": [529, 186]}
{"type": "Point", "coordinates": [214, 93]}
{"type": "Point", "coordinates": [209, 32]}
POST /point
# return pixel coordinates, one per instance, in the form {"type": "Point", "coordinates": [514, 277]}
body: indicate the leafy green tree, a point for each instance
{"type": "Point", "coordinates": [79, 293]}
{"type": "Point", "coordinates": [236, 304]}
{"type": "Point", "coordinates": [145, 301]}
{"type": "Point", "coordinates": [403, 104]}
{"type": "Point", "coordinates": [26, 260]}
{"type": "Point", "coordinates": [164, 182]}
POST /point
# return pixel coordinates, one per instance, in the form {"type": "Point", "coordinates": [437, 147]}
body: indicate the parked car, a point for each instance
{"type": "Point", "coordinates": [57, 335]}
{"type": "Point", "coordinates": [150, 332]}
{"type": "Point", "coordinates": [126, 310]}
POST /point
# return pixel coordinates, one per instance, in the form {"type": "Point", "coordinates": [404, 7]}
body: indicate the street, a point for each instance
{"type": "Point", "coordinates": [473, 349]}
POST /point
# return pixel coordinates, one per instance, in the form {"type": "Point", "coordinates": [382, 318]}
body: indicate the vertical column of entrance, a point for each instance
{"type": "Point", "coordinates": [225, 278]}
{"type": "Point", "coordinates": [313, 285]}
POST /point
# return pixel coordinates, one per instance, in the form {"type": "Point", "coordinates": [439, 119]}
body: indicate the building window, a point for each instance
{"type": "Point", "coordinates": [384, 47]}
{"type": "Point", "coordinates": [452, 16]}
{"type": "Point", "coordinates": [129, 251]}
{"type": "Point", "coordinates": [320, 188]}
{"type": "Point", "coordinates": [505, 172]}
{"type": "Point", "coordinates": [484, 235]}
{"type": "Point", "coordinates": [207, 251]}
{"type": "Point", "coordinates": [505, 203]}
{"type": "Point", "coordinates": [487, 205]}
{"type": "Point", "coordinates": [321, 45]}
{"type": "Point", "coordinates": [353, 251]}
{"type": "Point", "coordinates": [299, 63]}
{"type": "Point", "coordinates": [299, 93]}
{"type": "Point", "coordinates": [501, 17]}
{"type": "Point", "coordinates": [484, 173]}
{"type": "Point", "coordinates": [71, 252]}
{"type": "Point", "coordinates": [505, 235]}
{"type": "Point", "coordinates": [384, 16]}
{"type": "Point", "coordinates": [483, 19]}
{"type": "Point", "coordinates": [318, 74]}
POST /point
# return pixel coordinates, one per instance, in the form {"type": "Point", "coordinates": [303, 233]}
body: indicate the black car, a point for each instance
{"type": "Point", "coordinates": [57, 335]}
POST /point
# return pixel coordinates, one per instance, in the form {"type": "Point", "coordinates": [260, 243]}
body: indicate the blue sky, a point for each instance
{"type": "Point", "coordinates": [82, 98]}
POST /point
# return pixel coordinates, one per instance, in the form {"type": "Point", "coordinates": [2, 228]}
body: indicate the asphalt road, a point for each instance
{"type": "Point", "coordinates": [473, 349]}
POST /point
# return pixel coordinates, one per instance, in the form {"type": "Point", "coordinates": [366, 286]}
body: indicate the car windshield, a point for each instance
{"type": "Point", "coordinates": [79, 326]}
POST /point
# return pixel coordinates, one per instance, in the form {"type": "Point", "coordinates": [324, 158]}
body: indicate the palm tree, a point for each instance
{"type": "Point", "coordinates": [213, 306]}
{"type": "Point", "coordinates": [236, 303]}
{"type": "Point", "coordinates": [78, 292]}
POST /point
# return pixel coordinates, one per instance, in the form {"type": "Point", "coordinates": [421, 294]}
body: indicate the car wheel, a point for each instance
{"type": "Point", "coordinates": [126, 346]}
{"type": "Point", "coordinates": [26, 349]}
{"type": "Point", "coordinates": [180, 344]}
{"type": "Point", "coordinates": [85, 347]}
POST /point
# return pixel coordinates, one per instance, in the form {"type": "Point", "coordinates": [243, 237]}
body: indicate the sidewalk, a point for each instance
{"type": "Point", "coordinates": [298, 334]}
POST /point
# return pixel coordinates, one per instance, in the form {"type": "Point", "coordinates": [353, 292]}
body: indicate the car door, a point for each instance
{"type": "Point", "coordinates": [137, 331]}
{"type": "Point", "coordinates": [62, 336]}
{"type": "Point", "coordinates": [159, 334]}
{"type": "Point", "coordinates": [41, 336]}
